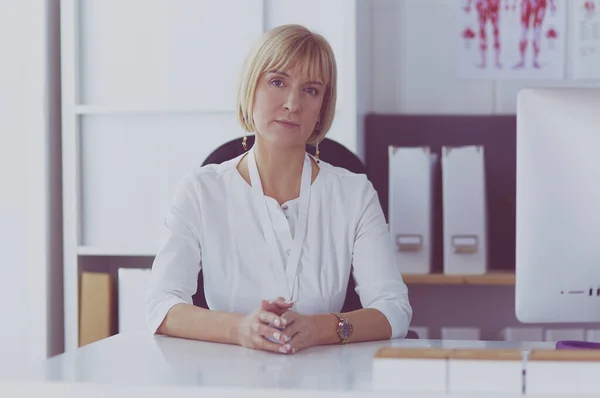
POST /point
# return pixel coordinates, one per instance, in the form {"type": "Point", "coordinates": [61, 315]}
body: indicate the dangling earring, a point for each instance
{"type": "Point", "coordinates": [244, 144]}
{"type": "Point", "coordinates": [317, 131]}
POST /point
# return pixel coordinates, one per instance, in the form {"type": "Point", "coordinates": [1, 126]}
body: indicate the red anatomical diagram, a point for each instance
{"type": "Point", "coordinates": [487, 12]}
{"type": "Point", "coordinates": [532, 17]}
{"type": "Point", "coordinates": [590, 8]}
{"type": "Point", "coordinates": [551, 35]}
{"type": "Point", "coordinates": [468, 35]}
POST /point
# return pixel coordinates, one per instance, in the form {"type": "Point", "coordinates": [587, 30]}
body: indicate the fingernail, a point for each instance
{"type": "Point", "coordinates": [286, 338]}
{"type": "Point", "coordinates": [288, 347]}
{"type": "Point", "coordinates": [282, 350]}
{"type": "Point", "coordinates": [276, 335]}
{"type": "Point", "coordinates": [277, 323]}
{"type": "Point", "coordinates": [284, 321]}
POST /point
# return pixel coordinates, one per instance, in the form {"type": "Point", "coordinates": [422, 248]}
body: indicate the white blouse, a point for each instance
{"type": "Point", "coordinates": [214, 223]}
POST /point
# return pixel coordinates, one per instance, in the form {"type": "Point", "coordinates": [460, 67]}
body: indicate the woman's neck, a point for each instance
{"type": "Point", "coordinates": [280, 169]}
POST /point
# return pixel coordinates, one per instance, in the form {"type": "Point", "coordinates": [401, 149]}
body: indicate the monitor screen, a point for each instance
{"type": "Point", "coordinates": [558, 206]}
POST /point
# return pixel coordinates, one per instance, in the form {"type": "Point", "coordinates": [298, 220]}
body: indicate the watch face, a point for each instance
{"type": "Point", "coordinates": [345, 329]}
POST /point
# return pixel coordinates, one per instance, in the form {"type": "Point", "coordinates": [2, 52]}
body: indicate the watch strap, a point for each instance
{"type": "Point", "coordinates": [342, 320]}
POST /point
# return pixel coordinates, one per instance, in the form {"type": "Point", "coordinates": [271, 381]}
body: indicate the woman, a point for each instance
{"type": "Point", "coordinates": [276, 223]}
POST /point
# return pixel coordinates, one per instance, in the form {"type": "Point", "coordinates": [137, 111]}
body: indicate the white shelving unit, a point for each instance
{"type": "Point", "coordinates": [148, 91]}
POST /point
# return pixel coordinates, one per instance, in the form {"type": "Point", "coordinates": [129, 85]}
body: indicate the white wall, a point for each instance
{"type": "Point", "coordinates": [413, 69]}
{"type": "Point", "coordinates": [29, 248]}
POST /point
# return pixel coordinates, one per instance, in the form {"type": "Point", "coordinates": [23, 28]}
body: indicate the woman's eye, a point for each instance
{"type": "Point", "coordinates": [277, 83]}
{"type": "Point", "coordinates": [312, 91]}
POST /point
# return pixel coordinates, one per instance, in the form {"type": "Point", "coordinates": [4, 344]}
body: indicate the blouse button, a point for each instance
{"type": "Point", "coordinates": [287, 252]}
{"type": "Point", "coordinates": [284, 207]}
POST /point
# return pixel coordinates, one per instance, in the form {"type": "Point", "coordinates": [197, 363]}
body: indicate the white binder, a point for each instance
{"type": "Point", "coordinates": [460, 333]}
{"type": "Point", "coordinates": [522, 334]}
{"type": "Point", "coordinates": [410, 206]}
{"type": "Point", "coordinates": [133, 287]}
{"type": "Point", "coordinates": [554, 335]}
{"type": "Point", "coordinates": [464, 209]}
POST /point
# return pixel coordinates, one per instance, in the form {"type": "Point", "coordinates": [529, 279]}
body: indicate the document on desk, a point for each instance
{"type": "Point", "coordinates": [411, 369]}
{"type": "Point", "coordinates": [448, 370]}
{"type": "Point", "coordinates": [489, 371]}
{"type": "Point", "coordinates": [577, 372]}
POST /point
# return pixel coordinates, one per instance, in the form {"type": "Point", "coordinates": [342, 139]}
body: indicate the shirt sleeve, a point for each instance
{"type": "Point", "coordinates": [379, 282]}
{"type": "Point", "coordinates": [175, 268]}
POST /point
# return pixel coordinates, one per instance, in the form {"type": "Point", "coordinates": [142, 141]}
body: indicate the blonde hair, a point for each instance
{"type": "Point", "coordinates": [282, 47]}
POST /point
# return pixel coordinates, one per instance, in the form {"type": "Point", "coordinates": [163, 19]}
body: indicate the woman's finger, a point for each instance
{"type": "Point", "coordinates": [270, 318]}
{"type": "Point", "coordinates": [281, 302]}
{"type": "Point", "coordinates": [278, 306]}
{"type": "Point", "coordinates": [271, 333]}
{"type": "Point", "coordinates": [288, 318]}
{"type": "Point", "coordinates": [291, 330]}
{"type": "Point", "coordinates": [260, 343]}
{"type": "Point", "coordinates": [295, 344]}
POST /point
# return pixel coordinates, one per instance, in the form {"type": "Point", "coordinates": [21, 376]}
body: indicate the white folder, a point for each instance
{"type": "Point", "coordinates": [464, 209]}
{"type": "Point", "coordinates": [133, 287]}
{"type": "Point", "coordinates": [554, 335]}
{"type": "Point", "coordinates": [410, 207]}
{"type": "Point", "coordinates": [522, 334]}
{"type": "Point", "coordinates": [460, 333]}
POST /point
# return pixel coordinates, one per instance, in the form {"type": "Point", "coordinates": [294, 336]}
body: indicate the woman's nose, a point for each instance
{"type": "Point", "coordinates": [292, 103]}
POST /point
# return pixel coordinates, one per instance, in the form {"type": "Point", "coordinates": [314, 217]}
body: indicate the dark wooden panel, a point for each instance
{"type": "Point", "coordinates": [497, 134]}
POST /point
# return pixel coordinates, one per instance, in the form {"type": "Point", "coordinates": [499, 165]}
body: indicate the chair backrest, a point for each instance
{"type": "Point", "coordinates": [331, 152]}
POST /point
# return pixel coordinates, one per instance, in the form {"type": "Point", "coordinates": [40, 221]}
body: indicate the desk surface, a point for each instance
{"type": "Point", "coordinates": [143, 359]}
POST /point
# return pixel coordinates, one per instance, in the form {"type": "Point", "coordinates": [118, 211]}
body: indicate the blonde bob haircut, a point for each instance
{"type": "Point", "coordinates": [285, 47]}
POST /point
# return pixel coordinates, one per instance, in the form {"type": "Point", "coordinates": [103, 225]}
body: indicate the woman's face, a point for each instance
{"type": "Point", "coordinates": [287, 106]}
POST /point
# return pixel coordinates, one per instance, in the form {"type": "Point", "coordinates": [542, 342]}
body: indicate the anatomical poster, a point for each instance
{"type": "Point", "coordinates": [586, 35]}
{"type": "Point", "coordinates": [511, 39]}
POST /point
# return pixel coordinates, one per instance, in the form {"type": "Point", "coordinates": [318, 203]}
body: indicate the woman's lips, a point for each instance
{"type": "Point", "coordinates": [286, 124]}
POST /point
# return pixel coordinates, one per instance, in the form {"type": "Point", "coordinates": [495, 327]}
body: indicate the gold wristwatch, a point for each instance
{"type": "Point", "coordinates": [344, 328]}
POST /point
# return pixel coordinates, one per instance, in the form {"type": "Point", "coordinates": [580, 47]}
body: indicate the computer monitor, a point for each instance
{"type": "Point", "coordinates": [558, 206]}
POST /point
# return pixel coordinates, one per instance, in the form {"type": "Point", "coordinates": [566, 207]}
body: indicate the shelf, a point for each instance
{"type": "Point", "coordinates": [145, 110]}
{"type": "Point", "coordinates": [494, 278]}
{"type": "Point", "coordinates": [115, 251]}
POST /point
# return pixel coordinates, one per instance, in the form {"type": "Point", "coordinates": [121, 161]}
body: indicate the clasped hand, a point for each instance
{"type": "Point", "coordinates": [275, 320]}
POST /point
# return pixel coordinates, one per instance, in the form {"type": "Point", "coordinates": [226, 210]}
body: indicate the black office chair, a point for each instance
{"type": "Point", "coordinates": [331, 152]}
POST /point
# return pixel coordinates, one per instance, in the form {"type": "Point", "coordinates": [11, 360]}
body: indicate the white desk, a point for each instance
{"type": "Point", "coordinates": [143, 359]}
{"type": "Point", "coordinates": [153, 363]}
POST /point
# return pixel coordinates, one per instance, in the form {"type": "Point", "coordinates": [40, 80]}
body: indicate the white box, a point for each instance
{"type": "Point", "coordinates": [411, 369]}
{"type": "Point", "coordinates": [411, 207]}
{"type": "Point", "coordinates": [464, 208]}
{"type": "Point", "coordinates": [497, 371]}
{"type": "Point", "coordinates": [566, 372]}
{"type": "Point", "coordinates": [522, 334]}
{"type": "Point", "coordinates": [565, 334]}
{"type": "Point", "coordinates": [460, 333]}
{"type": "Point", "coordinates": [592, 335]}
{"type": "Point", "coordinates": [421, 331]}
{"type": "Point", "coordinates": [133, 287]}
